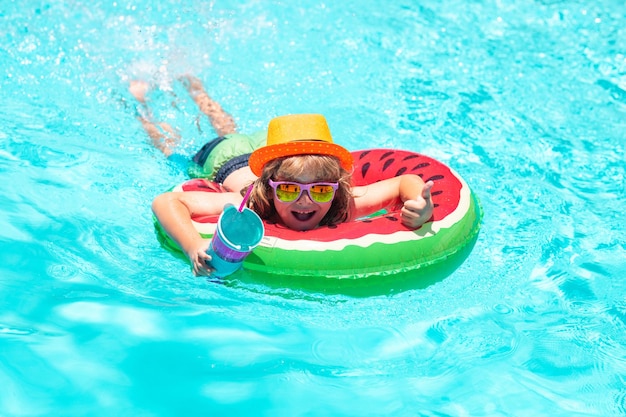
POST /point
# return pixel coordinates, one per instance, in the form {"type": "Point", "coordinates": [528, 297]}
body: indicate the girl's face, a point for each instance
{"type": "Point", "coordinates": [302, 213]}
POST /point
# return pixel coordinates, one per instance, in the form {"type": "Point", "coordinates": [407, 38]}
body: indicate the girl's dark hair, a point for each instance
{"type": "Point", "coordinates": [326, 168]}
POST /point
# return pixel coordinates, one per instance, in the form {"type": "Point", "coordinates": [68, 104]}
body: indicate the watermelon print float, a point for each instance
{"type": "Point", "coordinates": [375, 254]}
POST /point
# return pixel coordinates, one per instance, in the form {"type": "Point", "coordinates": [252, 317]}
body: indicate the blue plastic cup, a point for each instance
{"type": "Point", "coordinates": [236, 235]}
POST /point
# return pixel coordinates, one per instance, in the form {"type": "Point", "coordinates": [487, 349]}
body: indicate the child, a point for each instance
{"type": "Point", "coordinates": [300, 180]}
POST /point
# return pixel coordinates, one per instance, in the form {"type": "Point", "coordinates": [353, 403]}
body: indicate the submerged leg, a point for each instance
{"type": "Point", "coordinates": [222, 122]}
{"type": "Point", "coordinates": [163, 136]}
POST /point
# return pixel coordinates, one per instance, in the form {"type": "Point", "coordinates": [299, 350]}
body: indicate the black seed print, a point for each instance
{"type": "Point", "coordinates": [386, 155]}
{"type": "Point", "coordinates": [435, 178]}
{"type": "Point", "coordinates": [393, 219]}
{"type": "Point", "coordinates": [363, 154]}
{"type": "Point", "coordinates": [436, 192]}
{"type": "Point", "coordinates": [387, 163]}
{"type": "Point", "coordinates": [400, 171]}
{"type": "Point", "coordinates": [422, 165]}
{"type": "Point", "coordinates": [406, 158]}
{"type": "Point", "coordinates": [365, 168]}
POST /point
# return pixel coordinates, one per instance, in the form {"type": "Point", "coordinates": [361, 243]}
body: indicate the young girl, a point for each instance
{"type": "Point", "coordinates": [301, 180]}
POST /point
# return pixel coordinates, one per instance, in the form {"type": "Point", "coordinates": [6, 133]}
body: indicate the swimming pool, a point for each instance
{"type": "Point", "coordinates": [526, 99]}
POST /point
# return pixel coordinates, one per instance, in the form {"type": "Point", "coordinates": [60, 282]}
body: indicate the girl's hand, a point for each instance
{"type": "Point", "coordinates": [417, 212]}
{"type": "Point", "coordinates": [199, 258]}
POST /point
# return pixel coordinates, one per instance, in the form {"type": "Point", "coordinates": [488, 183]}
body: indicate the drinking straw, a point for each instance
{"type": "Point", "coordinates": [245, 198]}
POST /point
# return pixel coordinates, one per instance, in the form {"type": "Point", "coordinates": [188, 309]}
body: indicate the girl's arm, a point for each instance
{"type": "Point", "coordinates": [174, 211]}
{"type": "Point", "coordinates": [409, 190]}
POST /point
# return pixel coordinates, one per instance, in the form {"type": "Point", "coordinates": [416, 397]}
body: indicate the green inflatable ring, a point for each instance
{"type": "Point", "coordinates": [373, 255]}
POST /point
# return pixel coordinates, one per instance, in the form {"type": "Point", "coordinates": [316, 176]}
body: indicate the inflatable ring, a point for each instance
{"type": "Point", "coordinates": [372, 255]}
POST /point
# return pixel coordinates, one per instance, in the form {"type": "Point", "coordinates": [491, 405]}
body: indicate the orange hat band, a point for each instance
{"type": "Point", "coordinates": [263, 155]}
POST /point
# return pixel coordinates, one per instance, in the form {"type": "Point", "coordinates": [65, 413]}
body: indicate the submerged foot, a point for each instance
{"type": "Point", "coordinates": [222, 122]}
{"type": "Point", "coordinates": [139, 89]}
{"type": "Point", "coordinates": [193, 85]}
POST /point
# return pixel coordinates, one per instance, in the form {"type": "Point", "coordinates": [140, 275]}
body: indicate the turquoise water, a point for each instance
{"type": "Point", "coordinates": [525, 99]}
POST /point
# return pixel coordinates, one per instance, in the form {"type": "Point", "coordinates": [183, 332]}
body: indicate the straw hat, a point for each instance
{"type": "Point", "coordinates": [298, 134]}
